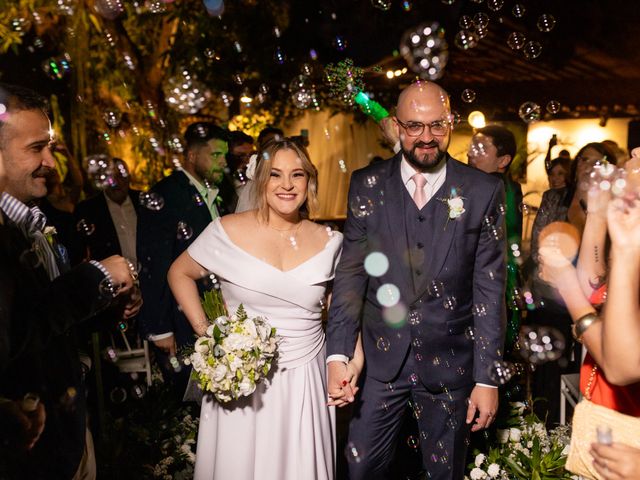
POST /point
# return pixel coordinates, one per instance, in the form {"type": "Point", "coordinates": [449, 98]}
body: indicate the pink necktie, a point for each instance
{"type": "Point", "coordinates": [419, 196]}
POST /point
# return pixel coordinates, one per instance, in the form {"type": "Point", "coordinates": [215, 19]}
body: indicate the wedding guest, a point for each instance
{"type": "Point", "coordinates": [558, 173]}
{"type": "Point", "coordinates": [39, 305]}
{"type": "Point", "coordinates": [492, 150]}
{"type": "Point", "coordinates": [240, 151]}
{"type": "Point", "coordinates": [189, 199]}
{"type": "Point", "coordinates": [563, 204]}
{"type": "Point", "coordinates": [615, 385]}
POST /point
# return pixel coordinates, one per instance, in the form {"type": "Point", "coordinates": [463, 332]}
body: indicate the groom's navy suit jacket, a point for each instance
{"type": "Point", "coordinates": [442, 267]}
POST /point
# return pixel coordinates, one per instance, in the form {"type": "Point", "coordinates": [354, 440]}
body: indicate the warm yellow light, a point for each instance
{"type": "Point", "coordinates": [389, 73]}
{"type": "Point", "coordinates": [404, 70]}
{"type": "Point", "coordinates": [397, 73]}
{"type": "Point", "coordinates": [476, 119]}
{"type": "Point", "coordinates": [246, 99]}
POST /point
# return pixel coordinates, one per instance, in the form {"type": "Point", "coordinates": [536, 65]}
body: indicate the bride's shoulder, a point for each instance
{"type": "Point", "coordinates": [238, 222]}
{"type": "Point", "coordinates": [322, 232]}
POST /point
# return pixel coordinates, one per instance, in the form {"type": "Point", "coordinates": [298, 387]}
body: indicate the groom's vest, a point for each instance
{"type": "Point", "coordinates": [420, 230]}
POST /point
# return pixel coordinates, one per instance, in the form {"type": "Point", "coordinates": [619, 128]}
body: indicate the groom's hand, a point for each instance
{"type": "Point", "coordinates": [484, 402]}
{"type": "Point", "coordinates": [340, 390]}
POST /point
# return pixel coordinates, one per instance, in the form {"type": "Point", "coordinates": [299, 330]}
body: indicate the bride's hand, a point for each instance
{"type": "Point", "coordinates": [353, 370]}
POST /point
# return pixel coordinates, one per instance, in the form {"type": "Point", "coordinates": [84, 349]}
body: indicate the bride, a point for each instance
{"type": "Point", "coordinates": [278, 265]}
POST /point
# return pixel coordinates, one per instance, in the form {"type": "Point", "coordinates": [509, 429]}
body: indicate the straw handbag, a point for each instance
{"type": "Point", "coordinates": [587, 417]}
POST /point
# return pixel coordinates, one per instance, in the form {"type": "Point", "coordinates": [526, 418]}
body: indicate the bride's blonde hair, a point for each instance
{"type": "Point", "coordinates": [263, 174]}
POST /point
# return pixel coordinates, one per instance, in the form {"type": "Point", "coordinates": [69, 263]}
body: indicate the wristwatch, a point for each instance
{"type": "Point", "coordinates": [582, 325]}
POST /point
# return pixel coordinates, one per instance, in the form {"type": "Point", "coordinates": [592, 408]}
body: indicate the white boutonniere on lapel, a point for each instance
{"type": "Point", "coordinates": [455, 205]}
{"type": "Point", "coordinates": [50, 233]}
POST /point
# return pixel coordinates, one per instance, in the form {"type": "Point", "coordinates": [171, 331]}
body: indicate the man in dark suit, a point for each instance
{"type": "Point", "coordinates": [492, 150]}
{"type": "Point", "coordinates": [107, 222]}
{"type": "Point", "coordinates": [193, 196]}
{"type": "Point", "coordinates": [437, 253]}
{"type": "Point", "coordinates": [38, 306]}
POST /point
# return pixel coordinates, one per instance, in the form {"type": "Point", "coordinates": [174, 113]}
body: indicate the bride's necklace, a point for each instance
{"type": "Point", "coordinates": [290, 234]}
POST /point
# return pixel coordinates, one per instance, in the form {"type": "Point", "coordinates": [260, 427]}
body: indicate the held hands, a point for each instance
{"type": "Point", "coordinates": [342, 384]}
{"type": "Point", "coordinates": [483, 402]}
{"type": "Point", "coordinates": [616, 461]}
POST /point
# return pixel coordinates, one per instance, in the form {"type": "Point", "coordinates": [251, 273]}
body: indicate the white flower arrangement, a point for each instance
{"type": "Point", "coordinates": [524, 451]}
{"type": "Point", "coordinates": [234, 355]}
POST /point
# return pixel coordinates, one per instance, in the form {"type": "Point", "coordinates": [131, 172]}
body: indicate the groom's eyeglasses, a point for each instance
{"type": "Point", "coordinates": [415, 129]}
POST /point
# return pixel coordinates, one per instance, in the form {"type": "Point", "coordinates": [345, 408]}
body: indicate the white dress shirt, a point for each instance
{"type": "Point", "coordinates": [125, 220]}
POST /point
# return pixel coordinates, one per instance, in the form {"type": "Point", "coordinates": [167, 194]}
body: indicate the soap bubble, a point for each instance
{"type": "Point", "coordinates": [532, 50]}
{"type": "Point", "coordinates": [185, 232]}
{"type": "Point", "coordinates": [501, 372]}
{"type": "Point", "coordinates": [376, 264]}
{"type": "Point", "coordinates": [529, 112]}
{"type": "Point", "coordinates": [468, 95]}
{"type": "Point", "coordinates": [388, 295]}
{"type": "Point", "coordinates": [466, 39]}
{"type": "Point", "coordinates": [540, 344]}
{"type": "Point", "coordinates": [516, 40]}
{"type": "Point", "coordinates": [361, 206]}
{"type": "Point", "coordinates": [553, 107]}
{"type": "Point", "coordinates": [546, 22]}
{"type": "Point", "coordinates": [151, 200]}
{"type": "Point", "coordinates": [518, 10]}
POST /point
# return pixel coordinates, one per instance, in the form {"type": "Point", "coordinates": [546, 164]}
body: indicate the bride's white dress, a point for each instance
{"type": "Point", "coordinates": [284, 430]}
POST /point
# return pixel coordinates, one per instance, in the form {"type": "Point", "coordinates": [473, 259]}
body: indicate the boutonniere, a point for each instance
{"type": "Point", "coordinates": [455, 205]}
{"type": "Point", "coordinates": [50, 233]}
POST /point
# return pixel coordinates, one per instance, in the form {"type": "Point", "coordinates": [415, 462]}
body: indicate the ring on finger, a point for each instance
{"type": "Point", "coordinates": [132, 271]}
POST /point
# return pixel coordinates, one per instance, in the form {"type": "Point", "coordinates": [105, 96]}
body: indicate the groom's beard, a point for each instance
{"type": "Point", "coordinates": [424, 163]}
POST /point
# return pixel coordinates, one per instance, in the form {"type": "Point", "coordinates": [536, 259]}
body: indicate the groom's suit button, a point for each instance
{"type": "Point", "coordinates": [418, 272]}
{"type": "Point", "coordinates": [421, 218]}
{"type": "Point", "coordinates": [420, 245]}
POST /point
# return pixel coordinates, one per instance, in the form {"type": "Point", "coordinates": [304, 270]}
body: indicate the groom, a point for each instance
{"type": "Point", "coordinates": [432, 321]}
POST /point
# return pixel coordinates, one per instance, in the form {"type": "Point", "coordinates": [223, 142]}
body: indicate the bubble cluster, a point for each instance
{"type": "Point", "coordinates": [100, 170]}
{"type": "Point", "coordinates": [184, 93]}
{"type": "Point", "coordinates": [529, 112]}
{"type": "Point", "coordinates": [425, 50]}
{"type": "Point", "coordinates": [151, 200]}
{"type": "Point", "coordinates": [501, 372]}
{"type": "Point", "coordinates": [112, 117]}
{"type": "Point", "coordinates": [540, 344]}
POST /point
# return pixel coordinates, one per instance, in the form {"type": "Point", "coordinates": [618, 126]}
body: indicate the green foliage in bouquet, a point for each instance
{"type": "Point", "coordinates": [525, 451]}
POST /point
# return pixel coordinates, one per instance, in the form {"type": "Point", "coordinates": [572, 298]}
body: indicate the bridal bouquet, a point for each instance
{"type": "Point", "coordinates": [235, 353]}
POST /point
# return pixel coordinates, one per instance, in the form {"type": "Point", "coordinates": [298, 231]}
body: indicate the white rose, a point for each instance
{"type": "Point", "coordinates": [220, 372]}
{"type": "Point", "coordinates": [479, 459]}
{"type": "Point", "coordinates": [202, 345]}
{"type": "Point", "coordinates": [250, 327]}
{"type": "Point", "coordinates": [477, 474]}
{"type": "Point", "coordinates": [493, 470]}
{"type": "Point", "coordinates": [518, 407]}
{"type": "Point", "coordinates": [210, 331]}
{"type": "Point", "coordinates": [456, 203]}
{"type": "Point", "coordinates": [234, 341]}
{"type": "Point", "coordinates": [235, 364]}
{"type": "Point", "coordinates": [246, 387]}
{"type": "Point", "coordinates": [514, 434]}
{"type": "Point", "coordinates": [503, 435]}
